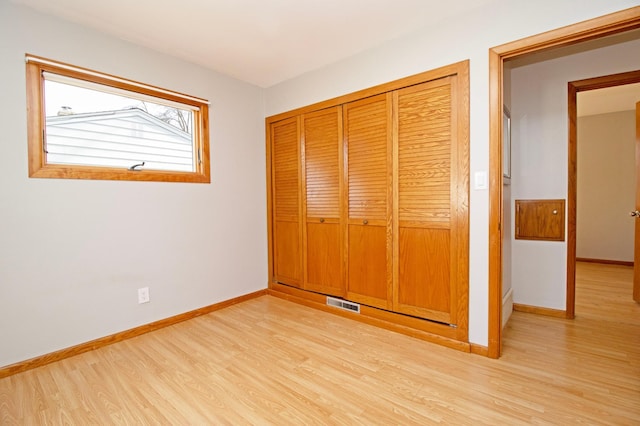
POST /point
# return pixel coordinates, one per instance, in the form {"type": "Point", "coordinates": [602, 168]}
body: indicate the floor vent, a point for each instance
{"type": "Point", "coordinates": [343, 304]}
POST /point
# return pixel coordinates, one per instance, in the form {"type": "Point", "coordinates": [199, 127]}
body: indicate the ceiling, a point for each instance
{"type": "Point", "coordinates": [262, 42]}
{"type": "Point", "coordinates": [611, 99]}
{"type": "Point", "coordinates": [265, 42]}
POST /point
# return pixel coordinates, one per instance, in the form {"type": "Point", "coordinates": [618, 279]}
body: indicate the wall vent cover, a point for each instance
{"type": "Point", "coordinates": [343, 304]}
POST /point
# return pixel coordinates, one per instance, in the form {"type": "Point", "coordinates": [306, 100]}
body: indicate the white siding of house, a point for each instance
{"type": "Point", "coordinates": [118, 139]}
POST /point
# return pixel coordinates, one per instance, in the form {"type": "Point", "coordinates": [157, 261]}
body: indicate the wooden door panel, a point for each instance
{"type": "Point", "coordinates": [425, 153]}
{"type": "Point", "coordinates": [322, 163]}
{"type": "Point", "coordinates": [427, 186]}
{"type": "Point", "coordinates": [368, 150]}
{"type": "Point", "coordinates": [367, 137]}
{"type": "Point", "coordinates": [323, 232]}
{"type": "Point", "coordinates": [285, 167]}
{"type": "Point", "coordinates": [287, 252]}
{"type": "Point", "coordinates": [425, 273]}
{"type": "Point", "coordinates": [539, 220]}
{"type": "Point", "coordinates": [286, 240]}
{"type": "Point", "coordinates": [367, 280]}
{"type": "Point", "coordinates": [324, 259]}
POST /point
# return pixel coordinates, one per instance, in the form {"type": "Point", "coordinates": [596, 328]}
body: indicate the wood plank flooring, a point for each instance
{"type": "Point", "coordinates": [269, 361]}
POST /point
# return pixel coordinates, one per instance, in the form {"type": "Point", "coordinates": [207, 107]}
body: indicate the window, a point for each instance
{"type": "Point", "coordinates": [84, 124]}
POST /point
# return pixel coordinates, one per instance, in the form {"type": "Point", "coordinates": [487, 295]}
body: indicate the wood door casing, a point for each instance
{"type": "Point", "coordinates": [287, 235]}
{"type": "Point", "coordinates": [636, 252]}
{"type": "Point", "coordinates": [367, 146]}
{"type": "Point", "coordinates": [576, 87]}
{"type": "Point", "coordinates": [323, 230]}
{"type": "Point", "coordinates": [426, 201]}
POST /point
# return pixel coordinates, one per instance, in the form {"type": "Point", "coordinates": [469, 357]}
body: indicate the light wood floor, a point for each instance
{"type": "Point", "coordinates": [269, 361]}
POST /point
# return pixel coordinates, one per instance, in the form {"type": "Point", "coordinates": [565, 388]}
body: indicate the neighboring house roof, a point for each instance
{"type": "Point", "coordinates": [119, 138]}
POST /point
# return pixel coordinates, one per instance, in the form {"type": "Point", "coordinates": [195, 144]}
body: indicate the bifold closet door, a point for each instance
{"type": "Point", "coordinates": [286, 199]}
{"type": "Point", "coordinates": [429, 197]}
{"type": "Point", "coordinates": [368, 150]}
{"type": "Point", "coordinates": [323, 230]}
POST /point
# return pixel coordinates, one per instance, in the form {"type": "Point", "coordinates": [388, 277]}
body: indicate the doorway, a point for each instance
{"type": "Point", "coordinates": [596, 28]}
{"type": "Point", "coordinates": [576, 87]}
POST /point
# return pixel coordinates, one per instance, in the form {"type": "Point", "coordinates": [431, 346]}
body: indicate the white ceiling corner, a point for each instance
{"type": "Point", "coordinates": [262, 42]}
{"type": "Point", "coordinates": [265, 42]}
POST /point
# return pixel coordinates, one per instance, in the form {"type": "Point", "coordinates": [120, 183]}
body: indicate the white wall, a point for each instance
{"type": "Point", "coordinates": [540, 134]}
{"type": "Point", "coordinates": [465, 37]}
{"type": "Point", "coordinates": [606, 185]}
{"type": "Point", "coordinates": [73, 253]}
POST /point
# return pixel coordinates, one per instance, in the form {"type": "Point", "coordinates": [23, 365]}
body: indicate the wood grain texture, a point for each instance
{"type": "Point", "coordinates": [322, 203]}
{"type": "Point", "coordinates": [557, 313]}
{"type": "Point", "coordinates": [452, 69]}
{"type": "Point", "coordinates": [460, 115]}
{"type": "Point", "coordinates": [636, 244]}
{"type": "Point", "coordinates": [287, 252]}
{"type": "Point", "coordinates": [285, 140]}
{"type": "Point", "coordinates": [599, 27]}
{"type": "Point", "coordinates": [268, 361]}
{"type": "Point", "coordinates": [426, 234]}
{"type": "Point", "coordinates": [410, 326]}
{"type": "Point", "coordinates": [368, 168]}
{"type": "Point", "coordinates": [572, 199]}
{"type": "Point", "coordinates": [602, 26]}
{"type": "Point", "coordinates": [367, 279]}
{"type": "Point", "coordinates": [424, 153]}
{"type": "Point", "coordinates": [496, 211]}
{"type": "Point", "coordinates": [424, 287]}
{"type": "Point", "coordinates": [324, 258]}
{"type": "Point", "coordinates": [286, 203]}
{"type": "Point", "coordinates": [434, 126]}
{"type": "Point", "coordinates": [118, 337]}
{"type": "Point", "coordinates": [366, 128]}
{"type": "Point", "coordinates": [605, 261]}
{"type": "Point", "coordinates": [541, 220]}
{"type": "Point", "coordinates": [322, 143]}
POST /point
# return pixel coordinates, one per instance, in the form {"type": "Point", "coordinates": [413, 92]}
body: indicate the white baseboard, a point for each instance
{"type": "Point", "coordinates": [507, 306]}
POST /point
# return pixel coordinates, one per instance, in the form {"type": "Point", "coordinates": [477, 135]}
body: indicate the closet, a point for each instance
{"type": "Point", "coordinates": [368, 201]}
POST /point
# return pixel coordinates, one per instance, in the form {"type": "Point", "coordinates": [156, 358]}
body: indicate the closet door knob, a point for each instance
{"type": "Point", "coordinates": [364, 222]}
{"type": "Point", "coordinates": [321, 220]}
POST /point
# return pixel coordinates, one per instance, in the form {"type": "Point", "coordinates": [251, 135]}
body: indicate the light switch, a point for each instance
{"type": "Point", "coordinates": [480, 180]}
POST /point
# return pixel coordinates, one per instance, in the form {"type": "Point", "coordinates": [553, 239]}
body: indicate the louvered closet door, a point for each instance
{"type": "Point", "coordinates": [367, 139]}
{"type": "Point", "coordinates": [287, 233]}
{"type": "Point", "coordinates": [428, 190]}
{"type": "Point", "coordinates": [322, 159]}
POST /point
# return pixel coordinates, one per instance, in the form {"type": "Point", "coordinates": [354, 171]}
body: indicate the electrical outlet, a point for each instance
{"type": "Point", "coordinates": [143, 295]}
